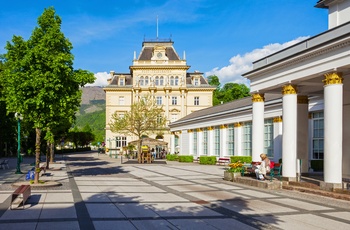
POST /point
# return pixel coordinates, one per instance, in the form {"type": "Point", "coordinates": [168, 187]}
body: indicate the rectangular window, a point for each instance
{"type": "Point", "coordinates": [196, 100]}
{"type": "Point", "coordinates": [247, 139]}
{"type": "Point", "coordinates": [174, 100]}
{"type": "Point", "coordinates": [159, 100]}
{"type": "Point", "coordinates": [318, 135]}
{"type": "Point", "coordinates": [205, 141]}
{"type": "Point", "coordinates": [121, 100]}
{"type": "Point", "coordinates": [120, 142]}
{"type": "Point", "coordinates": [195, 142]}
{"type": "Point", "coordinates": [217, 140]}
{"type": "Point", "coordinates": [173, 117]}
{"type": "Point", "coordinates": [268, 137]}
{"type": "Point", "coordinates": [230, 140]}
{"type": "Point", "coordinates": [121, 81]}
{"type": "Point", "coordinates": [196, 81]}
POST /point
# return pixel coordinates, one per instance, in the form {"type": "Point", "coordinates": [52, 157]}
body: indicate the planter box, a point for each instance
{"type": "Point", "coordinates": [230, 176]}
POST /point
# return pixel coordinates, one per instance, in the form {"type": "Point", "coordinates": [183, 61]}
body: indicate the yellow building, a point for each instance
{"type": "Point", "coordinates": [158, 70]}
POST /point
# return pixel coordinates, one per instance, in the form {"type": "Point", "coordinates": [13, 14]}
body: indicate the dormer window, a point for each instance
{"type": "Point", "coordinates": [121, 81]}
{"type": "Point", "coordinates": [196, 81]}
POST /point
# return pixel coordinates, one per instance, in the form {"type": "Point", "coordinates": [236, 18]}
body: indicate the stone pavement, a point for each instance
{"type": "Point", "coordinates": [99, 192]}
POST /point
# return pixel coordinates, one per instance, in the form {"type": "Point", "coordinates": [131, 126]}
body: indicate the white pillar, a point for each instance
{"type": "Point", "coordinates": [200, 147]}
{"type": "Point", "coordinates": [238, 138]}
{"type": "Point", "coordinates": [333, 128]}
{"type": "Point", "coordinates": [190, 142]}
{"type": "Point", "coordinates": [303, 132]}
{"type": "Point", "coordinates": [277, 137]}
{"type": "Point", "coordinates": [210, 141]}
{"type": "Point", "coordinates": [172, 143]}
{"type": "Point", "coordinates": [289, 137]}
{"type": "Point", "coordinates": [258, 126]}
{"type": "Point", "coordinates": [223, 140]}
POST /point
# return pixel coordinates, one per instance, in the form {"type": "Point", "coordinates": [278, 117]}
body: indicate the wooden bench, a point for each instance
{"type": "Point", "coordinates": [20, 195]}
{"type": "Point", "coordinates": [223, 160]}
{"type": "Point", "coordinates": [276, 171]}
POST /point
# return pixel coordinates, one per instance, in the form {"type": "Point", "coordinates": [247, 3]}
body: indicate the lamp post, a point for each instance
{"type": "Point", "coordinates": [19, 118]}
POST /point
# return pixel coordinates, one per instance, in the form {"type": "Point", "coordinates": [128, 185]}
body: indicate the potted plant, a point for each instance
{"type": "Point", "coordinates": [233, 171]}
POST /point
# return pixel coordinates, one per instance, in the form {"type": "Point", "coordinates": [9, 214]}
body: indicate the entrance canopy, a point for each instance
{"type": "Point", "coordinates": [150, 142]}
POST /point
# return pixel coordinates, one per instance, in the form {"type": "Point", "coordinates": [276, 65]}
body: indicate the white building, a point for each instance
{"type": "Point", "coordinates": [298, 109]}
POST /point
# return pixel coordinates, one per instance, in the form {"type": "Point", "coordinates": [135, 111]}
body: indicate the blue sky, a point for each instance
{"type": "Point", "coordinates": [220, 37]}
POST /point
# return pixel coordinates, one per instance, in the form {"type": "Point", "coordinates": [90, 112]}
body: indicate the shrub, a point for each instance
{"type": "Point", "coordinates": [185, 158]}
{"type": "Point", "coordinates": [246, 159]}
{"type": "Point", "coordinates": [207, 160]}
{"type": "Point", "coordinates": [317, 165]}
{"type": "Point", "coordinates": [171, 157]}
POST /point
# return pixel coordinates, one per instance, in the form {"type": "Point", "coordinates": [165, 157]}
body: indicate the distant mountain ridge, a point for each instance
{"type": "Point", "coordinates": [91, 94]}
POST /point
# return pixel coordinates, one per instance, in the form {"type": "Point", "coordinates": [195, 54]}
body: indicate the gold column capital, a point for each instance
{"type": "Point", "coordinates": [258, 97]}
{"type": "Point", "coordinates": [289, 89]}
{"type": "Point", "coordinates": [210, 128]}
{"type": "Point", "coordinates": [277, 119]}
{"type": "Point", "coordinates": [190, 131]}
{"type": "Point", "coordinates": [223, 126]}
{"type": "Point", "coordinates": [237, 124]}
{"type": "Point", "coordinates": [333, 78]}
{"type": "Point", "coordinates": [303, 99]}
{"type": "Point", "coordinates": [199, 130]}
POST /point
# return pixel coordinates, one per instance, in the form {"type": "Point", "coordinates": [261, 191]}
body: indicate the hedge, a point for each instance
{"type": "Point", "coordinates": [171, 157]}
{"type": "Point", "coordinates": [207, 160]}
{"type": "Point", "coordinates": [242, 159]}
{"type": "Point", "coordinates": [185, 158]}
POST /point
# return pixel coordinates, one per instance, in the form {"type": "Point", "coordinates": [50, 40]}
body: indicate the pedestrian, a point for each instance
{"type": "Point", "coordinates": [263, 168]}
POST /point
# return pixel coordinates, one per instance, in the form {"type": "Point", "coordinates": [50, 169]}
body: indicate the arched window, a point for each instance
{"type": "Point", "coordinates": [146, 80]}
{"type": "Point", "coordinates": [161, 81]}
{"type": "Point", "coordinates": [156, 81]}
{"type": "Point", "coordinates": [171, 80]}
{"type": "Point", "coordinates": [142, 80]}
{"type": "Point", "coordinates": [176, 80]}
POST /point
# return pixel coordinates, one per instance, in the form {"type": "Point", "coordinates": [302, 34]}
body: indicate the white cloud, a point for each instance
{"type": "Point", "coordinates": [241, 64]}
{"type": "Point", "coordinates": [101, 79]}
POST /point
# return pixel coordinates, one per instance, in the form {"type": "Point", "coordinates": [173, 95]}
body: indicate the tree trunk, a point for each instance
{"type": "Point", "coordinates": [52, 152]}
{"type": "Point", "coordinates": [47, 155]}
{"type": "Point", "coordinates": [37, 155]}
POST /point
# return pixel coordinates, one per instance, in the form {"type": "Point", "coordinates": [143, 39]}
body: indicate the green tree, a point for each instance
{"type": "Point", "coordinates": [229, 92]}
{"type": "Point", "coordinates": [145, 117]}
{"type": "Point", "coordinates": [40, 81]}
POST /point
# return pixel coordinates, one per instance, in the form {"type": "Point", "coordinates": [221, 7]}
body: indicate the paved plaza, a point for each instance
{"type": "Point", "coordinates": [99, 192]}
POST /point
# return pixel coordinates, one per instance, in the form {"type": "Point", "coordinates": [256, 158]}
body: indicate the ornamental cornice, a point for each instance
{"type": "Point", "coordinates": [289, 89]}
{"type": "Point", "coordinates": [237, 124]}
{"type": "Point", "coordinates": [333, 78]}
{"type": "Point", "coordinates": [258, 97]}
{"type": "Point", "coordinates": [277, 119]}
{"type": "Point", "coordinates": [151, 67]}
{"type": "Point", "coordinates": [117, 89]}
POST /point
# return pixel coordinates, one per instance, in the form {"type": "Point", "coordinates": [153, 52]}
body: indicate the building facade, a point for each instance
{"type": "Point", "coordinates": [298, 108]}
{"type": "Point", "coordinates": [160, 72]}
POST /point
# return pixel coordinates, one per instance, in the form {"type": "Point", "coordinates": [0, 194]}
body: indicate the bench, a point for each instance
{"type": "Point", "coordinates": [196, 160]}
{"type": "Point", "coordinates": [249, 168]}
{"type": "Point", "coordinates": [276, 171]}
{"type": "Point", "coordinates": [4, 163]}
{"type": "Point", "coordinates": [20, 195]}
{"type": "Point", "coordinates": [223, 160]}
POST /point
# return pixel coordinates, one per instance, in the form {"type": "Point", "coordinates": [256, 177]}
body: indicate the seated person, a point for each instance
{"type": "Point", "coordinates": [263, 168]}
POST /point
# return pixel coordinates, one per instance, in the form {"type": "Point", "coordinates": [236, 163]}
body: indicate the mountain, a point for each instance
{"type": "Point", "coordinates": [92, 111]}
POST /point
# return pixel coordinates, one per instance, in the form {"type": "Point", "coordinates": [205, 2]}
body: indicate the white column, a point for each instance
{"type": "Point", "coordinates": [172, 143]}
{"type": "Point", "coordinates": [289, 137]}
{"type": "Point", "coordinates": [190, 142]}
{"type": "Point", "coordinates": [200, 147]}
{"type": "Point", "coordinates": [238, 138]}
{"type": "Point", "coordinates": [333, 128]}
{"type": "Point", "coordinates": [223, 140]}
{"type": "Point", "coordinates": [277, 137]}
{"type": "Point", "coordinates": [258, 126]}
{"type": "Point", "coordinates": [210, 141]}
{"type": "Point", "coordinates": [303, 132]}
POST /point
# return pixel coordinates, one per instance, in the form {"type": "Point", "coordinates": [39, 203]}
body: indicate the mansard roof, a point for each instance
{"type": "Point", "coordinates": [148, 48]}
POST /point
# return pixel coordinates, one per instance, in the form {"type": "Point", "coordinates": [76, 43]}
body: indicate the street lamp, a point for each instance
{"type": "Point", "coordinates": [19, 118]}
